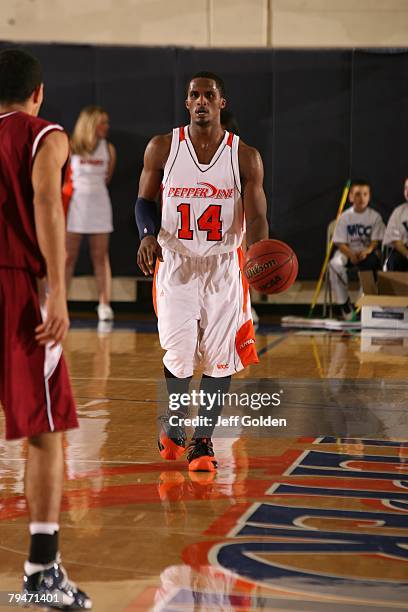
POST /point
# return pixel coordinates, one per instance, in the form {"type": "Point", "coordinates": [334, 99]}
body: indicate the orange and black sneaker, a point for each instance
{"type": "Point", "coordinates": [172, 440]}
{"type": "Point", "coordinates": [200, 455]}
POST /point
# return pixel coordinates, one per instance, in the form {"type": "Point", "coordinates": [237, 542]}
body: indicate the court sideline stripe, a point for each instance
{"type": "Point", "coordinates": [272, 344]}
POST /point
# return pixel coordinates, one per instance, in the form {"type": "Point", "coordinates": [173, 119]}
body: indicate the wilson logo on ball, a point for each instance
{"type": "Point", "coordinates": [259, 268]}
{"type": "Point", "coordinates": [270, 266]}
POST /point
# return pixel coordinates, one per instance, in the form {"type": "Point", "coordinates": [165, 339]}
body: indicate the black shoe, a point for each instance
{"type": "Point", "coordinates": [172, 439]}
{"type": "Point", "coordinates": [201, 455]}
{"type": "Point", "coordinates": [345, 311]}
{"type": "Point", "coordinates": [50, 588]}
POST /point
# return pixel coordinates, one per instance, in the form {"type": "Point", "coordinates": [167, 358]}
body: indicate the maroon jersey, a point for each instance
{"type": "Point", "coordinates": [20, 137]}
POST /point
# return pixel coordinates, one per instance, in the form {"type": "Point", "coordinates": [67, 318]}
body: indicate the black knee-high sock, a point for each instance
{"type": "Point", "coordinates": [217, 387]}
{"type": "Point", "coordinates": [175, 387]}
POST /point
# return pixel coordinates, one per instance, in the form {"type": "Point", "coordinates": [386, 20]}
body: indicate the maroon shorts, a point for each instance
{"type": "Point", "coordinates": [34, 385]}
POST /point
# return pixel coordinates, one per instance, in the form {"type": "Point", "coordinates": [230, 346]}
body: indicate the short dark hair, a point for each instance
{"type": "Point", "coordinates": [20, 75]}
{"type": "Point", "coordinates": [209, 75]}
{"type": "Point", "coordinates": [361, 182]}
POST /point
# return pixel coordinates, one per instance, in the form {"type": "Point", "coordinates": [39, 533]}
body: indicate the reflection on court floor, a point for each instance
{"type": "Point", "coordinates": [288, 523]}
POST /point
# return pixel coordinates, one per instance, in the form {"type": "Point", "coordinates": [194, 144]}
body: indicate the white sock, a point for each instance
{"type": "Point", "coordinates": [34, 568]}
{"type": "Point", "coordinates": [46, 528]}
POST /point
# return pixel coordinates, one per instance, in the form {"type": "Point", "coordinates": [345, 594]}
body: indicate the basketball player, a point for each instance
{"type": "Point", "coordinates": [211, 186]}
{"type": "Point", "coordinates": [358, 233]}
{"type": "Point", "coordinates": [396, 235]}
{"type": "Point", "coordinates": [34, 385]}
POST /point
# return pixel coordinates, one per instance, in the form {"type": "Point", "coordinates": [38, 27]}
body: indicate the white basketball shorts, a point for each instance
{"type": "Point", "coordinates": [204, 314]}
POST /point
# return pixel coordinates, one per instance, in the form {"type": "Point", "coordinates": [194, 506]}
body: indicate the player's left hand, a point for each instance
{"type": "Point", "coordinates": [56, 324]}
{"type": "Point", "coordinates": [149, 249]}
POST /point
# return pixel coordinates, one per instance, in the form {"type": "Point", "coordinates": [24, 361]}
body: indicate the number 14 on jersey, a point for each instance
{"type": "Point", "coordinates": [209, 221]}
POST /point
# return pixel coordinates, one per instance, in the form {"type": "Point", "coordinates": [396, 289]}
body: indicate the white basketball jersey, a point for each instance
{"type": "Point", "coordinates": [89, 171]}
{"type": "Point", "coordinates": [202, 211]}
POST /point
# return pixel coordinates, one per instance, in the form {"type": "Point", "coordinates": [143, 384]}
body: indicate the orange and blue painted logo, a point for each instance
{"type": "Point", "coordinates": [333, 527]}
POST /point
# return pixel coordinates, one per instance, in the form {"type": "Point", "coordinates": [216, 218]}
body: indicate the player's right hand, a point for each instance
{"type": "Point", "coordinates": [149, 249]}
{"type": "Point", "coordinates": [55, 327]}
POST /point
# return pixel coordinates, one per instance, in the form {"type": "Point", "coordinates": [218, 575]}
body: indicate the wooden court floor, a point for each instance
{"type": "Point", "coordinates": [300, 522]}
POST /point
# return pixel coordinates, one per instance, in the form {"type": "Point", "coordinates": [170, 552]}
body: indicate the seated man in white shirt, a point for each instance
{"type": "Point", "coordinates": [396, 236]}
{"type": "Point", "coordinates": [358, 233]}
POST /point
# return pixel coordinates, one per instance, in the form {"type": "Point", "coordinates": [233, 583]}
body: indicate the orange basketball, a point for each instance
{"type": "Point", "coordinates": [270, 266]}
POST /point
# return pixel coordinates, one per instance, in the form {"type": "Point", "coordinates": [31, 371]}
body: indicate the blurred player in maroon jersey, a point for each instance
{"type": "Point", "coordinates": [34, 386]}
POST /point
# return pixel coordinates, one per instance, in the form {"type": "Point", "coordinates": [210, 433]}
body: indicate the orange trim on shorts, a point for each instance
{"type": "Point", "coordinates": [156, 269]}
{"type": "Point", "coordinates": [245, 344]}
{"type": "Point", "coordinates": [245, 285]}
